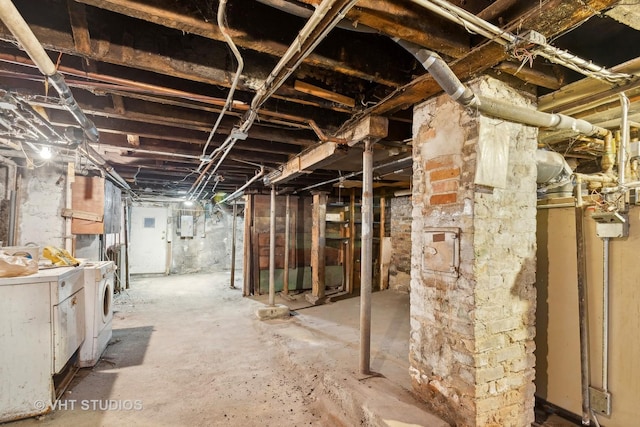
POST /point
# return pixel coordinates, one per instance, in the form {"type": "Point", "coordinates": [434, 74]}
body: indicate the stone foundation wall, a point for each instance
{"type": "Point", "coordinates": [400, 266]}
{"type": "Point", "coordinates": [472, 330]}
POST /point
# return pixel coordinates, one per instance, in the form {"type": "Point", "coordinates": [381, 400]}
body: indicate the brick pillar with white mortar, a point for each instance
{"type": "Point", "coordinates": [473, 300]}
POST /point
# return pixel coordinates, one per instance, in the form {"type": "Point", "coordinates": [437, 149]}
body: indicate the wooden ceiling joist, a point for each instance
{"type": "Point", "coordinates": [557, 17]}
{"type": "Point", "coordinates": [163, 13]}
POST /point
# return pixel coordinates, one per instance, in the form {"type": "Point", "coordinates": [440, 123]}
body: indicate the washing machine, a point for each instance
{"type": "Point", "coordinates": [98, 285]}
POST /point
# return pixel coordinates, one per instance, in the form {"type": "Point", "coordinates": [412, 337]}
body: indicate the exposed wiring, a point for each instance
{"type": "Point", "coordinates": [511, 41]}
{"type": "Point", "coordinates": [314, 31]}
{"type": "Point", "coordinates": [222, 24]}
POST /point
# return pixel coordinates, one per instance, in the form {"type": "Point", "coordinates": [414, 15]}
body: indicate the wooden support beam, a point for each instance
{"type": "Point", "coordinates": [234, 218]}
{"type": "Point", "coordinates": [323, 93]}
{"type": "Point", "coordinates": [162, 12]}
{"type": "Point", "coordinates": [89, 216]}
{"type": "Point", "coordinates": [306, 162]}
{"type": "Point", "coordinates": [318, 242]}
{"type": "Point", "coordinates": [272, 248]}
{"type": "Point", "coordinates": [397, 20]}
{"type": "Point", "coordinates": [495, 9]}
{"type": "Point", "coordinates": [351, 250]}
{"type": "Point", "coordinates": [370, 127]}
{"type": "Point", "coordinates": [287, 245]}
{"type": "Point", "coordinates": [79, 27]}
{"type": "Point", "coordinates": [552, 79]}
{"type": "Point", "coordinates": [247, 258]}
{"type": "Point", "coordinates": [118, 104]}
{"type": "Point", "coordinates": [557, 17]}
{"type": "Point", "coordinates": [192, 68]}
{"type": "Point", "coordinates": [384, 267]}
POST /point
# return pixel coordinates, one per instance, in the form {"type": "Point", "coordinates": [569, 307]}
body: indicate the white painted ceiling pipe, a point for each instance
{"type": "Point", "coordinates": [446, 78]}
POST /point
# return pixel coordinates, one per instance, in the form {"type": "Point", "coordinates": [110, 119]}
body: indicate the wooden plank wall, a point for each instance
{"type": "Point", "coordinates": [300, 245]}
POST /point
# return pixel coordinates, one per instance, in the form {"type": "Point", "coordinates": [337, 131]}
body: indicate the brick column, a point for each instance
{"type": "Point", "coordinates": [472, 293]}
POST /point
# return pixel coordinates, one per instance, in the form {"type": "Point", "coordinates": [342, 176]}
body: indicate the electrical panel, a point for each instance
{"type": "Point", "coordinates": [186, 226]}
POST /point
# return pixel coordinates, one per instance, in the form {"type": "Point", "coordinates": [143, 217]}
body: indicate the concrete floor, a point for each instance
{"type": "Point", "coordinates": [189, 351]}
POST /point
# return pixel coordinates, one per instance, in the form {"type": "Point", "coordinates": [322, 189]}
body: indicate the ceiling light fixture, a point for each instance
{"type": "Point", "coordinates": [46, 153]}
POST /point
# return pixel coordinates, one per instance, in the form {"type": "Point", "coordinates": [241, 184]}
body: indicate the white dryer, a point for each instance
{"type": "Point", "coordinates": [98, 284]}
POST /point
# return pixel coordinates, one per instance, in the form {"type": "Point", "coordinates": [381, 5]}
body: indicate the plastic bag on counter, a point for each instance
{"type": "Point", "coordinates": [16, 265]}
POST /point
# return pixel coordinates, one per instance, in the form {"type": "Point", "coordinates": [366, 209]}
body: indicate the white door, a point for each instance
{"type": "Point", "coordinates": [148, 242]}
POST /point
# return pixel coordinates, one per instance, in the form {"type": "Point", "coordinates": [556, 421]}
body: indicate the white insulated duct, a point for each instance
{"type": "Point", "coordinates": [446, 78]}
{"type": "Point", "coordinates": [554, 175]}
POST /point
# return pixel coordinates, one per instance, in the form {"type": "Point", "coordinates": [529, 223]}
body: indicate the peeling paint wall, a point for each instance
{"type": "Point", "coordinates": [471, 345]}
{"type": "Point", "coordinates": [42, 198]}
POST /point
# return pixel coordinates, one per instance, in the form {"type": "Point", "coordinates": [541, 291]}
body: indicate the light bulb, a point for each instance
{"type": "Point", "coordinates": [46, 153]}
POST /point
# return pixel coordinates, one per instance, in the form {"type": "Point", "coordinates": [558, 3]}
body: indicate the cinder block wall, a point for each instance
{"type": "Point", "coordinates": [400, 266]}
{"type": "Point", "coordinates": [471, 347]}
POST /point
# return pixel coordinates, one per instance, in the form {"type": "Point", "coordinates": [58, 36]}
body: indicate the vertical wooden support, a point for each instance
{"type": "Point", "coordinates": [233, 245]}
{"type": "Point", "coordinates": [366, 257]}
{"type": "Point", "coordinates": [344, 248]}
{"type": "Point", "coordinates": [68, 237]}
{"type": "Point", "coordinates": [318, 245]}
{"type": "Point", "coordinates": [351, 253]}
{"type": "Point", "coordinates": [384, 269]}
{"type": "Point", "coordinates": [272, 248]}
{"type": "Point", "coordinates": [125, 262]}
{"type": "Point", "coordinates": [287, 244]}
{"type": "Point", "coordinates": [247, 260]}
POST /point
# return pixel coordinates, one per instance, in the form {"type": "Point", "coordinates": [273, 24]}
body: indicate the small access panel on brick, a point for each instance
{"type": "Point", "coordinates": [441, 251]}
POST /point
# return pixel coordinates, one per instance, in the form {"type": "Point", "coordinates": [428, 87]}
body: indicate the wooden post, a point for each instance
{"type": "Point", "coordinates": [351, 252]}
{"type": "Point", "coordinates": [384, 281]}
{"type": "Point", "coordinates": [246, 269]}
{"type": "Point", "coordinates": [366, 258]}
{"type": "Point", "coordinates": [287, 238]}
{"type": "Point", "coordinates": [272, 248]}
{"type": "Point", "coordinates": [318, 245]}
{"type": "Point", "coordinates": [233, 245]}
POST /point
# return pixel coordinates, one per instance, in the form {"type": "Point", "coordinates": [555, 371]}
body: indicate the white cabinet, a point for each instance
{"type": "Point", "coordinates": [41, 327]}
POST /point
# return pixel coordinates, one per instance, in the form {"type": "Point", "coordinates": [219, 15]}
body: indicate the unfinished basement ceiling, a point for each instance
{"type": "Point", "coordinates": [154, 75]}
